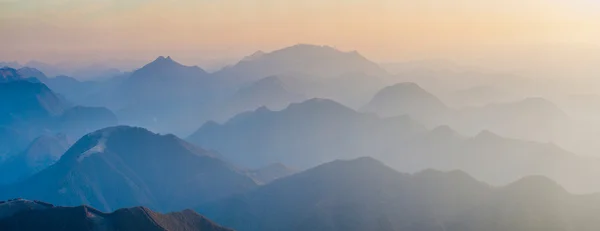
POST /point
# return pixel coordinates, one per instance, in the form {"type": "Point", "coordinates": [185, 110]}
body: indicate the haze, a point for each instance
{"type": "Point", "coordinates": [197, 32]}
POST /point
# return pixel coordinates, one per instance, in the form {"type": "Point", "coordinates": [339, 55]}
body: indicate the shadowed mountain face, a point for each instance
{"type": "Point", "coordinates": [27, 101]}
{"type": "Point", "coordinates": [27, 110]}
{"type": "Point", "coordinates": [26, 215]}
{"type": "Point", "coordinates": [312, 60]}
{"type": "Point", "coordinates": [317, 131]}
{"type": "Point", "coordinates": [123, 166]}
{"type": "Point", "coordinates": [41, 153]}
{"type": "Point", "coordinates": [364, 194]}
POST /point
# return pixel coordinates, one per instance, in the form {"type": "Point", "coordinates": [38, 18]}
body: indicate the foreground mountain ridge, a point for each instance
{"type": "Point", "coordinates": [365, 194]}
{"type": "Point", "coordinates": [24, 215]}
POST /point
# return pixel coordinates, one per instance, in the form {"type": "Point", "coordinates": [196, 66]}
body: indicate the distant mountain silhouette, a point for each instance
{"type": "Point", "coordinates": [165, 67]}
{"type": "Point", "coordinates": [270, 173]}
{"type": "Point", "coordinates": [163, 95]}
{"type": "Point", "coordinates": [364, 194]}
{"type": "Point", "coordinates": [27, 215]}
{"type": "Point", "coordinates": [28, 72]}
{"type": "Point", "coordinates": [41, 153]}
{"type": "Point", "coordinates": [161, 80]}
{"type": "Point", "coordinates": [82, 120]}
{"type": "Point", "coordinates": [532, 119]}
{"type": "Point", "coordinates": [405, 99]}
{"type": "Point", "coordinates": [269, 92]}
{"type": "Point", "coordinates": [316, 131]}
{"type": "Point", "coordinates": [304, 134]}
{"type": "Point", "coordinates": [309, 60]}
{"type": "Point", "coordinates": [124, 166]}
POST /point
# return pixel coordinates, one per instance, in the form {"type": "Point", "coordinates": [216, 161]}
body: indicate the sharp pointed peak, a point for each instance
{"type": "Point", "coordinates": [163, 59]}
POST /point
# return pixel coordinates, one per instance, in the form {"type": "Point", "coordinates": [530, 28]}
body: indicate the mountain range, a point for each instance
{"type": "Point", "coordinates": [119, 167]}
{"type": "Point", "coordinates": [32, 109]}
{"type": "Point", "coordinates": [28, 215]}
{"type": "Point", "coordinates": [318, 130]}
{"type": "Point", "coordinates": [530, 118]}
{"type": "Point", "coordinates": [364, 194]}
{"type": "Point", "coordinates": [260, 126]}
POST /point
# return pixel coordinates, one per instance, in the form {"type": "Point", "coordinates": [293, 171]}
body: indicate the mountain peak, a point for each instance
{"type": "Point", "coordinates": [165, 68]}
{"type": "Point", "coordinates": [535, 185]}
{"type": "Point", "coordinates": [320, 105]}
{"type": "Point", "coordinates": [487, 135]}
{"type": "Point", "coordinates": [405, 87]}
{"type": "Point", "coordinates": [253, 56]}
{"type": "Point", "coordinates": [96, 142]}
{"type": "Point", "coordinates": [405, 98]}
{"type": "Point", "coordinates": [162, 60]}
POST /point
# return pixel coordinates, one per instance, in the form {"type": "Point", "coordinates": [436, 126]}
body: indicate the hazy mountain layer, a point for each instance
{"type": "Point", "coordinates": [318, 131]}
{"type": "Point", "coordinates": [364, 194]}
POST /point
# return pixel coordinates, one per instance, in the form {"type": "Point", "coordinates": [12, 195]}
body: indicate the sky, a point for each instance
{"type": "Point", "coordinates": [196, 31]}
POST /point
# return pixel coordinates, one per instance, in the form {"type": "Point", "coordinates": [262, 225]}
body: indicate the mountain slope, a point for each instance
{"type": "Point", "coordinates": [269, 92]}
{"type": "Point", "coordinates": [364, 194]}
{"type": "Point", "coordinates": [27, 101]}
{"type": "Point", "coordinates": [81, 218]}
{"type": "Point", "coordinates": [124, 166]}
{"type": "Point", "coordinates": [164, 96]}
{"type": "Point", "coordinates": [303, 135]}
{"type": "Point", "coordinates": [317, 131]}
{"type": "Point", "coordinates": [41, 153]}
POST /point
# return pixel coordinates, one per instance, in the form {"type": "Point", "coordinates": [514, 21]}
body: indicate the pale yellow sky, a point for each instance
{"type": "Point", "coordinates": [383, 30]}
